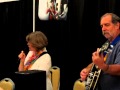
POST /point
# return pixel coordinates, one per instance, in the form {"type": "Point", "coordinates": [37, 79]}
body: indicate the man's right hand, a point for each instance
{"type": "Point", "coordinates": [84, 73]}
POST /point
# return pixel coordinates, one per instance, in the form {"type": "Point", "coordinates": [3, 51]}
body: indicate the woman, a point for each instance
{"type": "Point", "coordinates": [37, 57]}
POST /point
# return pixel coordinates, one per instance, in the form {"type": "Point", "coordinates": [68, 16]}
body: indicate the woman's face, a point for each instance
{"type": "Point", "coordinates": [30, 46]}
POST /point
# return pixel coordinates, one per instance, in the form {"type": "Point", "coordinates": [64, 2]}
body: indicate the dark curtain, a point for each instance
{"type": "Point", "coordinates": [15, 23]}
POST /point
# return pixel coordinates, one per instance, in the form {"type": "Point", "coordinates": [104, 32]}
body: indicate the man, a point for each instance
{"type": "Point", "coordinates": [108, 63]}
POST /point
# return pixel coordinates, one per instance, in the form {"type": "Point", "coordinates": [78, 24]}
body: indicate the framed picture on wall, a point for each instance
{"type": "Point", "coordinates": [52, 9]}
{"type": "Point", "coordinates": [2, 1]}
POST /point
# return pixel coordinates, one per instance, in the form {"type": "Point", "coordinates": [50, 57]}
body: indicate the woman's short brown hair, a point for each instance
{"type": "Point", "coordinates": [38, 40]}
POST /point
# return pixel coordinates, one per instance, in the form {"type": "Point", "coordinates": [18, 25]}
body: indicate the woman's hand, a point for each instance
{"type": "Point", "coordinates": [22, 56]}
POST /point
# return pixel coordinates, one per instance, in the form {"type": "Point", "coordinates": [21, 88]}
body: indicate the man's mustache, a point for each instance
{"type": "Point", "coordinates": [105, 33]}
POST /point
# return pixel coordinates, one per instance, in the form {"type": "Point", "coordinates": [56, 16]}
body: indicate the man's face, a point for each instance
{"type": "Point", "coordinates": [109, 29]}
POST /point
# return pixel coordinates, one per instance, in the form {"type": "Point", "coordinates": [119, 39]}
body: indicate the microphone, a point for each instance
{"type": "Point", "coordinates": [23, 52]}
